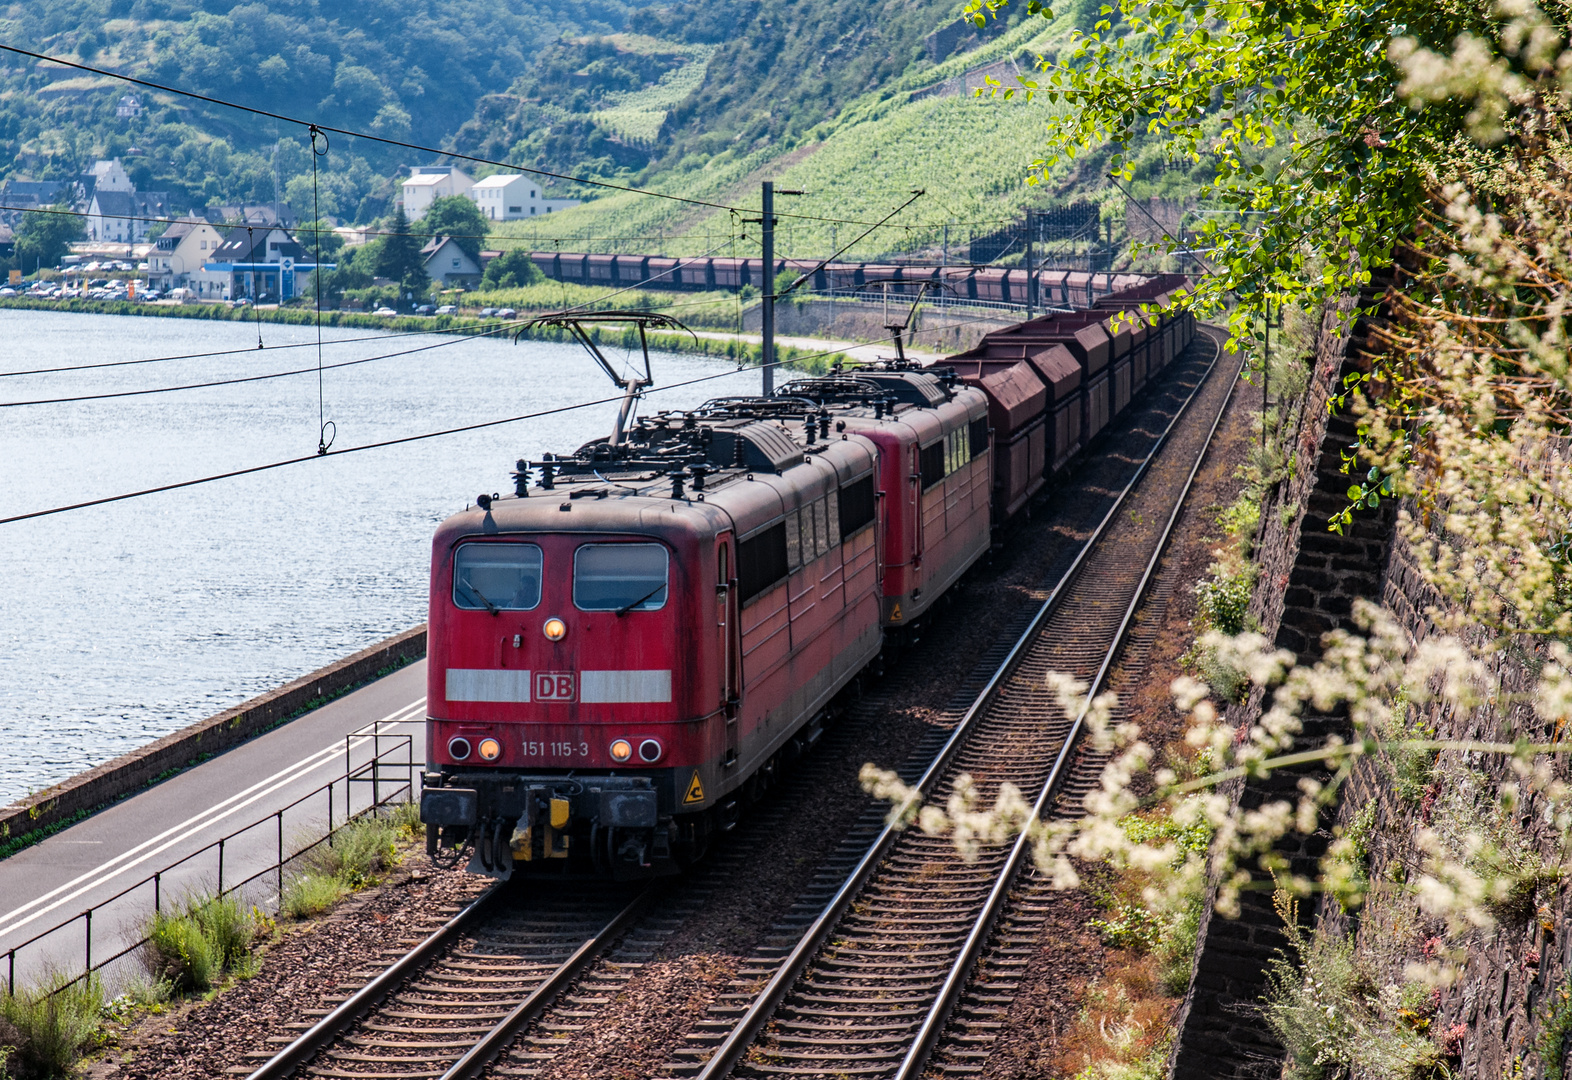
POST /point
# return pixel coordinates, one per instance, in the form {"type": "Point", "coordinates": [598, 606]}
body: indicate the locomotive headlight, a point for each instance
{"type": "Point", "coordinates": [554, 629]}
{"type": "Point", "coordinates": [621, 750]}
{"type": "Point", "coordinates": [490, 749]}
{"type": "Point", "coordinates": [458, 748]}
{"type": "Point", "coordinates": [650, 750]}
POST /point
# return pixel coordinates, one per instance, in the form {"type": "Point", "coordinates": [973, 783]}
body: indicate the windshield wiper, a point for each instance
{"type": "Point", "coordinates": [476, 594]}
{"type": "Point", "coordinates": [625, 608]}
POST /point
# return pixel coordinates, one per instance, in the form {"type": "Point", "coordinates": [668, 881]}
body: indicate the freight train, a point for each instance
{"type": "Point", "coordinates": [646, 633]}
{"type": "Point", "coordinates": [1063, 288]}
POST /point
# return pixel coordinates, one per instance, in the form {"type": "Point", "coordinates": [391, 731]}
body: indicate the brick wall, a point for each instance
{"type": "Point", "coordinates": [1309, 579]}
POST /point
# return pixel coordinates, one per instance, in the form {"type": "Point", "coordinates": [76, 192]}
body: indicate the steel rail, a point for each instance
{"type": "Point", "coordinates": [743, 1033]}
{"type": "Point", "coordinates": [324, 1031]}
{"type": "Point", "coordinates": [960, 972]}
{"type": "Point", "coordinates": [497, 1039]}
{"type": "Point", "coordinates": [332, 1026]}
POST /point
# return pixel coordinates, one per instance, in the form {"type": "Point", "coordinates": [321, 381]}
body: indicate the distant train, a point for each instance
{"type": "Point", "coordinates": [1061, 288]}
{"type": "Point", "coordinates": [644, 635]}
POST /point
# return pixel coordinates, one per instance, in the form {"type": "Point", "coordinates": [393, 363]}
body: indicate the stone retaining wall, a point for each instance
{"type": "Point", "coordinates": [1308, 580]}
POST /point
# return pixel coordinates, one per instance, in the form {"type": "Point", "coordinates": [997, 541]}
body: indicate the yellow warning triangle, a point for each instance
{"type": "Point", "coordinates": [895, 614]}
{"type": "Point", "coordinates": [695, 789]}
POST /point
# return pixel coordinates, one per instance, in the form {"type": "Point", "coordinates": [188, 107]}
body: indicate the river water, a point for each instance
{"type": "Point", "coordinates": [124, 622]}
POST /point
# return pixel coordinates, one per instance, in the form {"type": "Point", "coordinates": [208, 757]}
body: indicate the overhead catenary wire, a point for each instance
{"type": "Point", "coordinates": [403, 440]}
{"type": "Point", "coordinates": [323, 442]}
{"type": "Point", "coordinates": [250, 378]}
{"type": "Point", "coordinates": [459, 340]}
{"type": "Point", "coordinates": [579, 238]}
{"type": "Point", "coordinates": [411, 438]}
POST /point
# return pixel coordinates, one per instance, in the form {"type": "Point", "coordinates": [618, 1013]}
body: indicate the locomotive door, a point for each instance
{"type": "Point", "coordinates": [728, 644]}
{"type": "Point", "coordinates": [916, 518]}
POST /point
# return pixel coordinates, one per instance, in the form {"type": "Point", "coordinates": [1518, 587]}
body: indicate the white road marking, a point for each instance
{"type": "Point", "coordinates": [209, 817]}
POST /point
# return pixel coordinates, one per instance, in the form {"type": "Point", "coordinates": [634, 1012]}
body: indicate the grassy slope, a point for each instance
{"type": "Point", "coordinates": [969, 155]}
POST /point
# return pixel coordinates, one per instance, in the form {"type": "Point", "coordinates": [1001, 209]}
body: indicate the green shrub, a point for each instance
{"type": "Point", "coordinates": [1129, 926]}
{"type": "Point", "coordinates": [405, 819]}
{"type": "Point", "coordinates": [1222, 604]}
{"type": "Point", "coordinates": [231, 929]}
{"type": "Point", "coordinates": [194, 944]}
{"type": "Point", "coordinates": [1223, 600]}
{"type": "Point", "coordinates": [181, 954]}
{"type": "Point", "coordinates": [310, 894]}
{"type": "Point", "coordinates": [1169, 935]}
{"type": "Point", "coordinates": [49, 1028]}
{"type": "Point", "coordinates": [1240, 517]}
{"type": "Point", "coordinates": [1334, 1018]}
{"type": "Point", "coordinates": [360, 853]}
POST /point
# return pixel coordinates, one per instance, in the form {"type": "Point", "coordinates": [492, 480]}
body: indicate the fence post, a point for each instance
{"type": "Point", "coordinates": [330, 814]}
{"type": "Point", "coordinates": [11, 979]}
{"type": "Point", "coordinates": [158, 881]}
{"type": "Point", "coordinates": [220, 869]}
{"type": "Point", "coordinates": [89, 941]}
{"type": "Point", "coordinates": [280, 816]}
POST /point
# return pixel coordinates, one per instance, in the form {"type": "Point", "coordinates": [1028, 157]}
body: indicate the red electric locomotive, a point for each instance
{"type": "Point", "coordinates": [632, 643]}
{"type": "Point", "coordinates": [630, 646]}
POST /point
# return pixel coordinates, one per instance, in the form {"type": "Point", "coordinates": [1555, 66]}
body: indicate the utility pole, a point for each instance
{"type": "Point", "coordinates": [946, 260]}
{"type": "Point", "coordinates": [767, 320]}
{"type": "Point", "coordinates": [1029, 261]}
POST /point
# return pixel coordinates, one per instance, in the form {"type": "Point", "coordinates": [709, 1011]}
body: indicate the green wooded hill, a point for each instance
{"type": "Point", "coordinates": [857, 103]}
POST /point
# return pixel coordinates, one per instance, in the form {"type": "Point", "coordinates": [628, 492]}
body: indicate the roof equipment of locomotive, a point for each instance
{"type": "Point", "coordinates": [632, 386]}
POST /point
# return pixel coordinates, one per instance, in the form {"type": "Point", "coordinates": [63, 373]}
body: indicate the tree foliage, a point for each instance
{"type": "Point", "coordinates": [43, 238]}
{"type": "Point", "coordinates": [511, 270]}
{"type": "Point", "coordinates": [457, 216]}
{"type": "Point", "coordinates": [1323, 143]}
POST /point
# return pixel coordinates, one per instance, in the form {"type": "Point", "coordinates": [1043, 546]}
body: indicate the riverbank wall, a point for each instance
{"type": "Point", "coordinates": [42, 813]}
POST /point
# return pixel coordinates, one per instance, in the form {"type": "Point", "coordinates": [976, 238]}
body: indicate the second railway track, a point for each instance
{"type": "Point", "coordinates": [505, 987]}
{"type": "Point", "coordinates": [869, 987]}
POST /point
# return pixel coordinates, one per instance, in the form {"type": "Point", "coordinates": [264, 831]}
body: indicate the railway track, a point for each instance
{"type": "Point", "coordinates": [522, 972]}
{"type": "Point", "coordinates": [449, 1005]}
{"type": "Point", "coordinates": [871, 985]}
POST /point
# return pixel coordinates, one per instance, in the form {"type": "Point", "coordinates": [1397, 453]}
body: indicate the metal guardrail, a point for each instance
{"type": "Point", "coordinates": [377, 772]}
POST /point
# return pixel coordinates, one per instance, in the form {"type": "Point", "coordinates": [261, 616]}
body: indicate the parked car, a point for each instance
{"type": "Point", "coordinates": [425, 309]}
{"type": "Point", "coordinates": [506, 313]}
{"type": "Point", "coordinates": [447, 309]}
{"type": "Point", "coordinates": [384, 311]}
{"type": "Point", "coordinates": [487, 312]}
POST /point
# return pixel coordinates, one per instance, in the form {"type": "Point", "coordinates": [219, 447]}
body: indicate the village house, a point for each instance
{"type": "Point", "coordinates": [124, 217]}
{"type": "Point", "coordinates": [181, 251]}
{"type": "Point", "coordinates": [262, 265]}
{"type": "Point", "coordinates": [506, 197]}
{"type": "Point", "coordinates": [432, 182]}
{"type": "Point", "coordinates": [448, 264]}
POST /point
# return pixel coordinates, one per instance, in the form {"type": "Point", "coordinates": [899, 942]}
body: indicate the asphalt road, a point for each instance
{"type": "Point", "coordinates": [151, 832]}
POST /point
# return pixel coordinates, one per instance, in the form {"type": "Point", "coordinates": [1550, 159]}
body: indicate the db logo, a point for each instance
{"type": "Point", "coordinates": [553, 686]}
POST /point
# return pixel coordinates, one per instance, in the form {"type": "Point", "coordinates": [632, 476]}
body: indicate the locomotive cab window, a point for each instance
{"type": "Point", "coordinates": [620, 577]}
{"type": "Point", "coordinates": [855, 505]}
{"type": "Point", "coordinates": [496, 577]}
{"type": "Point", "coordinates": [944, 457]}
